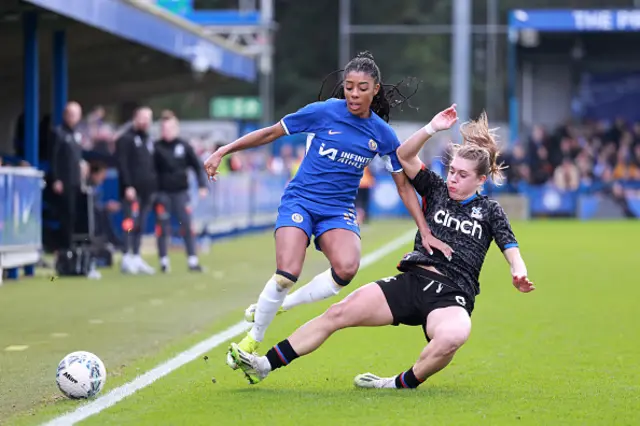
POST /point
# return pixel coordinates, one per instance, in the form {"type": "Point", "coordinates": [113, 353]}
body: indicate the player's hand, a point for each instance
{"type": "Point", "coordinates": [522, 283]}
{"type": "Point", "coordinates": [430, 242]}
{"type": "Point", "coordinates": [211, 165]}
{"type": "Point", "coordinates": [130, 193]}
{"type": "Point", "coordinates": [84, 169]}
{"type": "Point", "coordinates": [445, 119]}
{"type": "Point", "coordinates": [58, 187]}
{"type": "Point", "coordinates": [112, 206]}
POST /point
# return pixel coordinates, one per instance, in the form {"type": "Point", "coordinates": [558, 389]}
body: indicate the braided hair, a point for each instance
{"type": "Point", "coordinates": [389, 95]}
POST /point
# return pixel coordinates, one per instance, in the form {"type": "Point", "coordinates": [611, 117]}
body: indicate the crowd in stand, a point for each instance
{"type": "Point", "coordinates": [590, 157]}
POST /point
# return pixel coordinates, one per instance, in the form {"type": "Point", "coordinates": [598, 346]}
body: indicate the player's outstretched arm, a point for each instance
{"type": "Point", "coordinates": [408, 195]}
{"type": "Point", "coordinates": [251, 140]}
{"type": "Point", "coordinates": [518, 270]}
{"type": "Point", "coordinates": [507, 242]}
{"type": "Point", "coordinates": [408, 151]}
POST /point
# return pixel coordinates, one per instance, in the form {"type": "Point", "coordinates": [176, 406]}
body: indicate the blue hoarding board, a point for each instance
{"type": "Point", "coordinates": [576, 20]}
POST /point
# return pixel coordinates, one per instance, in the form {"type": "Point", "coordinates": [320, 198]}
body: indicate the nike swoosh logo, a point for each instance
{"type": "Point", "coordinates": [333, 132]}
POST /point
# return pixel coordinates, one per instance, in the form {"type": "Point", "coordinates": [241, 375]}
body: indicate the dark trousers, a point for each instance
{"type": "Point", "coordinates": [135, 219]}
{"type": "Point", "coordinates": [104, 227]}
{"type": "Point", "coordinates": [67, 215]}
{"type": "Point", "coordinates": [174, 204]}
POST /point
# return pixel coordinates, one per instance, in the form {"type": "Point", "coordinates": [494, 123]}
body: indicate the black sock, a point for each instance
{"type": "Point", "coordinates": [281, 355]}
{"type": "Point", "coordinates": [407, 380]}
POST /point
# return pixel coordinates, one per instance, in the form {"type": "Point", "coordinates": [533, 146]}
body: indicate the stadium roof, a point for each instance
{"type": "Point", "coordinates": [152, 26]}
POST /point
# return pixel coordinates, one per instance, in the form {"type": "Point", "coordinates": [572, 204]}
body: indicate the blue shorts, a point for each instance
{"type": "Point", "coordinates": [315, 219]}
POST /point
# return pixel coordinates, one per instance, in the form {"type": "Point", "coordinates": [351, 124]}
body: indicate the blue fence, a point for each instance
{"type": "Point", "coordinates": [236, 202]}
{"type": "Point", "coordinates": [544, 200]}
{"type": "Point", "coordinates": [20, 219]}
{"type": "Point", "coordinates": [20, 213]}
{"type": "Point", "coordinates": [583, 203]}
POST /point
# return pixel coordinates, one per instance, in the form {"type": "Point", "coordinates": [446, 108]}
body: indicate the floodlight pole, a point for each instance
{"type": "Point", "coordinates": [266, 61]}
{"type": "Point", "coordinates": [344, 40]}
{"type": "Point", "coordinates": [461, 58]}
{"type": "Point", "coordinates": [492, 102]}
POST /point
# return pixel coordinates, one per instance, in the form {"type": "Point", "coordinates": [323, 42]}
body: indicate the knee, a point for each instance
{"type": "Point", "coordinates": [289, 263]}
{"type": "Point", "coordinates": [337, 316]}
{"type": "Point", "coordinates": [345, 269]}
{"type": "Point", "coordinates": [448, 340]}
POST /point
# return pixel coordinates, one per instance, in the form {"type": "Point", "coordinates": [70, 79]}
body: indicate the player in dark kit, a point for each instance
{"type": "Point", "coordinates": [433, 291]}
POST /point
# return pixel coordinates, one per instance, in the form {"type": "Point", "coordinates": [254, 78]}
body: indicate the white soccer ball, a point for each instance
{"type": "Point", "coordinates": [81, 375]}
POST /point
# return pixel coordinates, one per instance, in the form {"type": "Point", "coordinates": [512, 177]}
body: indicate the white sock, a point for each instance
{"type": "Point", "coordinates": [264, 364]}
{"type": "Point", "coordinates": [389, 383]}
{"type": "Point", "coordinates": [319, 288]}
{"type": "Point", "coordinates": [192, 261]}
{"type": "Point", "coordinates": [269, 302]}
{"type": "Point", "coordinates": [164, 261]}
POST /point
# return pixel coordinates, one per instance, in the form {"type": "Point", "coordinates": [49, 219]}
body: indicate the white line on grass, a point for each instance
{"type": "Point", "coordinates": [118, 394]}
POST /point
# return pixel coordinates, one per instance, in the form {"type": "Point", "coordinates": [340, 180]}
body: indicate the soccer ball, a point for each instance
{"type": "Point", "coordinates": [81, 375]}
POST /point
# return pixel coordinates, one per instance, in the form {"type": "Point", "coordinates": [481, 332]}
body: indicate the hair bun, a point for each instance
{"type": "Point", "coordinates": [366, 55]}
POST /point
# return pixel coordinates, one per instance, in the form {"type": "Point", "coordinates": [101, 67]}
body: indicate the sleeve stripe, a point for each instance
{"type": "Point", "coordinates": [510, 245]}
{"type": "Point", "coordinates": [284, 126]}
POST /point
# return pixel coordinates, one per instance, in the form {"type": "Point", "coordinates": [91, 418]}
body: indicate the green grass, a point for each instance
{"type": "Point", "coordinates": [565, 354]}
{"type": "Point", "coordinates": [132, 323]}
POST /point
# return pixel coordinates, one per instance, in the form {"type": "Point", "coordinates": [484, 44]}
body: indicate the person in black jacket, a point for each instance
{"type": "Point", "coordinates": [67, 169]}
{"type": "Point", "coordinates": [173, 158]}
{"type": "Point", "coordinates": [138, 184]}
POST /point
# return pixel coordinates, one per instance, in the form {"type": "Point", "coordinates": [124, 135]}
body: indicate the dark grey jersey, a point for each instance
{"type": "Point", "coordinates": [468, 227]}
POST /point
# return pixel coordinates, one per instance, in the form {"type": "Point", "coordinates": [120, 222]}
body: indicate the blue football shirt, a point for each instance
{"type": "Point", "coordinates": [339, 146]}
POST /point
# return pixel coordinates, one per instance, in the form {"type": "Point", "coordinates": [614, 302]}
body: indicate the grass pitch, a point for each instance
{"type": "Point", "coordinates": [566, 354]}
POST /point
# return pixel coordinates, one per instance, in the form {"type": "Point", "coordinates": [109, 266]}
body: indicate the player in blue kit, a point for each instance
{"type": "Point", "coordinates": [344, 135]}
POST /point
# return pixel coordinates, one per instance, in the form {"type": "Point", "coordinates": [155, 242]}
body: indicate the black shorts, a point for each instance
{"type": "Point", "coordinates": [412, 295]}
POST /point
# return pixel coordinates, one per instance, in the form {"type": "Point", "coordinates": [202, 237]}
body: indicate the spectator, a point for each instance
{"type": "Point", "coordinates": [300, 153]}
{"type": "Point", "coordinates": [517, 168]}
{"type": "Point", "coordinates": [636, 161]}
{"type": "Point", "coordinates": [541, 168]}
{"type": "Point", "coordinates": [566, 177]}
{"type": "Point", "coordinates": [636, 134]}
{"type": "Point", "coordinates": [138, 185]}
{"type": "Point", "coordinates": [102, 211]}
{"type": "Point", "coordinates": [585, 168]}
{"type": "Point", "coordinates": [363, 199]}
{"type": "Point", "coordinates": [173, 157]}
{"type": "Point", "coordinates": [67, 169]}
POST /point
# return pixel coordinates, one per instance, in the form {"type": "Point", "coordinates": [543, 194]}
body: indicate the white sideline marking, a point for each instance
{"type": "Point", "coordinates": [118, 394]}
{"type": "Point", "coordinates": [16, 348]}
{"type": "Point", "coordinates": [59, 335]}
